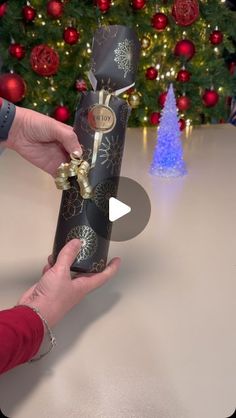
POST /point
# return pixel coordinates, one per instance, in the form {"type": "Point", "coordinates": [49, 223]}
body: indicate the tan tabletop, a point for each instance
{"type": "Point", "coordinates": [159, 340]}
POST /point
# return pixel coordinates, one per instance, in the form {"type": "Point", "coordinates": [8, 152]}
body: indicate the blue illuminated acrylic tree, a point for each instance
{"type": "Point", "coordinates": [168, 154]}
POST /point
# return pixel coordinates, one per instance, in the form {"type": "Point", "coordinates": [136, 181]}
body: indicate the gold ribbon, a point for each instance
{"type": "Point", "coordinates": [77, 166]}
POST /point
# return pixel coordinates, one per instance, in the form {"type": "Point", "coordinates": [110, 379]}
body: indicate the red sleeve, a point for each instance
{"type": "Point", "coordinates": [21, 334]}
{"type": "Point", "coordinates": [0, 102]}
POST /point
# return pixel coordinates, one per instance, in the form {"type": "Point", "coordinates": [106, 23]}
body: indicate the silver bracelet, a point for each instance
{"type": "Point", "coordinates": [50, 333]}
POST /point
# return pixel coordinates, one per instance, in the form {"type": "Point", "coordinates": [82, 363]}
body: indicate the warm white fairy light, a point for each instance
{"type": "Point", "coordinates": [162, 76]}
{"type": "Point", "coordinates": [168, 74]}
{"type": "Point", "coordinates": [158, 66]}
{"type": "Point", "coordinates": [35, 104]}
{"type": "Point", "coordinates": [145, 118]}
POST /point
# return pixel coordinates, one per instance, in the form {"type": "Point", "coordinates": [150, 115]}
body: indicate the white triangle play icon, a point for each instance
{"type": "Point", "coordinates": [117, 209]}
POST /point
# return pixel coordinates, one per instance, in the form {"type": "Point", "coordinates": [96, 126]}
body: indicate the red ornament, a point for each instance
{"type": "Point", "coordinates": [151, 73]}
{"type": "Point", "coordinates": [185, 12]}
{"type": "Point", "coordinates": [12, 87]}
{"type": "Point", "coordinates": [162, 98]}
{"type": "Point", "coordinates": [55, 8]}
{"type": "Point", "coordinates": [44, 60]}
{"type": "Point", "coordinates": [138, 4]}
{"type": "Point", "coordinates": [183, 103]}
{"type": "Point", "coordinates": [61, 113]}
{"type": "Point", "coordinates": [80, 85]}
{"type": "Point", "coordinates": [232, 67]}
{"type": "Point", "coordinates": [71, 35]}
{"type": "Point", "coordinates": [182, 124]}
{"type": "Point", "coordinates": [159, 21]}
{"type": "Point", "coordinates": [17, 51]}
{"type": "Point", "coordinates": [29, 13]}
{"type": "Point", "coordinates": [210, 98]}
{"type": "Point", "coordinates": [185, 49]}
{"type": "Point", "coordinates": [104, 5]}
{"type": "Point", "coordinates": [3, 9]}
{"type": "Point", "coordinates": [216, 37]}
{"type": "Point", "coordinates": [183, 76]}
{"type": "Point", "coordinates": [155, 118]}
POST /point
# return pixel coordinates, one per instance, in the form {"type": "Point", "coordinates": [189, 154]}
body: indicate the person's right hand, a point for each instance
{"type": "Point", "coordinates": [55, 293]}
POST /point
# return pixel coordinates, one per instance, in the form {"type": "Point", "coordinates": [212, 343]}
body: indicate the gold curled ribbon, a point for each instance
{"type": "Point", "coordinates": [79, 168]}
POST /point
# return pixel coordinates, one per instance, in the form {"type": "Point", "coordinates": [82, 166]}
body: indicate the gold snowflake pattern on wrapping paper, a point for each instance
{"type": "Point", "coordinates": [87, 154]}
{"type": "Point", "coordinates": [123, 115]}
{"type": "Point", "coordinates": [124, 56]}
{"type": "Point", "coordinates": [73, 203]}
{"type": "Point", "coordinates": [88, 240]}
{"type": "Point", "coordinates": [110, 152]}
{"type": "Point", "coordinates": [103, 192]}
{"type": "Point", "coordinates": [97, 267]}
{"type": "Point", "coordinates": [105, 32]}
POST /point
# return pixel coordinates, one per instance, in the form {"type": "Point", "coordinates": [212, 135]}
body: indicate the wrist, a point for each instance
{"type": "Point", "coordinates": [17, 126]}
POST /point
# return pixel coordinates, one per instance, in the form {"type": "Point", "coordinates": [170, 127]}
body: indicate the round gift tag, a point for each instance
{"type": "Point", "coordinates": [101, 118]}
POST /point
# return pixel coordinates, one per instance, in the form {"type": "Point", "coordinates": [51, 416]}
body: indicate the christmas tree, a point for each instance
{"type": "Point", "coordinates": [168, 155]}
{"type": "Point", "coordinates": [47, 46]}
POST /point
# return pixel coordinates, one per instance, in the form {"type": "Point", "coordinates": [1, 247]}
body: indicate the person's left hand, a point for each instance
{"type": "Point", "coordinates": [42, 140]}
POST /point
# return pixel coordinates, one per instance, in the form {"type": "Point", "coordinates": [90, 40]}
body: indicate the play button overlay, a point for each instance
{"type": "Point", "coordinates": [119, 210]}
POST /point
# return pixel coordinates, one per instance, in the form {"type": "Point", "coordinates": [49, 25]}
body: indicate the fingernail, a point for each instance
{"type": "Point", "coordinates": [77, 153]}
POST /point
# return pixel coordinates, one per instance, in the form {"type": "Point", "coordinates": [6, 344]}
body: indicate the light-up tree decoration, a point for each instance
{"type": "Point", "coordinates": [168, 154]}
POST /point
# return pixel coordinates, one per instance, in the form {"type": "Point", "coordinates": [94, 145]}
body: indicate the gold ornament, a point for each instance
{"type": "Point", "coordinates": [145, 42]}
{"type": "Point", "coordinates": [134, 99]}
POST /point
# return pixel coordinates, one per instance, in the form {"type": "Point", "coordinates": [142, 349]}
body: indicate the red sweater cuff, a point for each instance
{"type": "Point", "coordinates": [21, 334]}
{"type": "Point", "coordinates": [0, 102]}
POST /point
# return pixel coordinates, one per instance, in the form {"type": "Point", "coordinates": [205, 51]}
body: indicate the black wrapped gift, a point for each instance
{"type": "Point", "coordinates": [100, 124]}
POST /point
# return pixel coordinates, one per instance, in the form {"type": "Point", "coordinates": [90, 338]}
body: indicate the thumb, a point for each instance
{"type": "Point", "coordinates": [67, 137]}
{"type": "Point", "coordinates": [67, 255]}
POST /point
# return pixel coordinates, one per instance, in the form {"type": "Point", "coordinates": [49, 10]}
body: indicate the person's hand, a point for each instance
{"type": "Point", "coordinates": [56, 293]}
{"type": "Point", "coordinates": [42, 140]}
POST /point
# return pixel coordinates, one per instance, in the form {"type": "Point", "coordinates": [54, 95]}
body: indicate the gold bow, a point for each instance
{"type": "Point", "coordinates": [79, 168]}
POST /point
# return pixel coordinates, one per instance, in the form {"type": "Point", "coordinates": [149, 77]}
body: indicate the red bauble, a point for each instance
{"type": "Point", "coordinates": [44, 60]}
{"type": "Point", "coordinates": [104, 5]}
{"type": "Point", "coordinates": [138, 4]}
{"type": "Point", "coordinates": [185, 12]}
{"type": "Point", "coordinates": [159, 21]}
{"type": "Point", "coordinates": [185, 49]}
{"type": "Point", "coordinates": [17, 51]}
{"type": "Point", "coordinates": [162, 98]}
{"type": "Point", "coordinates": [183, 103]}
{"type": "Point", "coordinates": [182, 124]}
{"type": "Point", "coordinates": [61, 113]}
{"type": "Point", "coordinates": [80, 85]}
{"type": "Point", "coordinates": [216, 37]}
{"type": "Point", "coordinates": [151, 73]}
{"type": "Point", "coordinates": [210, 98]}
{"type": "Point", "coordinates": [55, 8]}
{"type": "Point", "coordinates": [29, 13]}
{"type": "Point", "coordinates": [155, 118]}
{"type": "Point", "coordinates": [71, 35]}
{"type": "Point", "coordinates": [3, 9]}
{"type": "Point", "coordinates": [12, 87]}
{"type": "Point", "coordinates": [232, 67]}
{"type": "Point", "coordinates": [183, 76]}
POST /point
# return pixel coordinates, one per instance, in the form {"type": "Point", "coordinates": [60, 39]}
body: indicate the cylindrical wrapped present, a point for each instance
{"type": "Point", "coordinates": [100, 124]}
